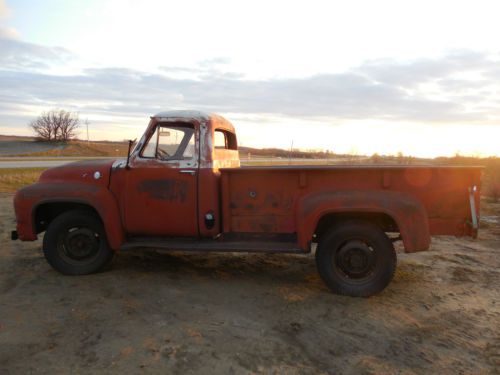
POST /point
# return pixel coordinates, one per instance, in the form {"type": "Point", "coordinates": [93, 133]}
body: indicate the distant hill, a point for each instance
{"type": "Point", "coordinates": [29, 146]}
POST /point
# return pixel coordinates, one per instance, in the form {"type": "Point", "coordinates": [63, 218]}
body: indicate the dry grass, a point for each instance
{"type": "Point", "coordinates": [79, 148]}
{"type": "Point", "coordinates": [13, 179]}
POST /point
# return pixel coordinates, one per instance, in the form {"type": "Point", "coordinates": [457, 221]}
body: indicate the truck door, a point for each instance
{"type": "Point", "coordinates": [161, 195]}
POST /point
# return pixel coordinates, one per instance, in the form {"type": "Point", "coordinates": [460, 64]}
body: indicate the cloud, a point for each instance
{"type": "Point", "coordinates": [408, 74]}
{"type": "Point", "coordinates": [427, 90]}
{"type": "Point", "coordinates": [22, 56]}
{"type": "Point", "coordinates": [338, 96]}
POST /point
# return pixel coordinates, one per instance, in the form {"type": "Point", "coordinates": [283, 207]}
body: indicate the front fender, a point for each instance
{"type": "Point", "coordinates": [98, 197]}
{"type": "Point", "coordinates": [408, 213]}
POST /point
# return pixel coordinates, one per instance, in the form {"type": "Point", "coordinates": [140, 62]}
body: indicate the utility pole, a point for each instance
{"type": "Point", "coordinates": [290, 157]}
{"type": "Point", "coordinates": [87, 124]}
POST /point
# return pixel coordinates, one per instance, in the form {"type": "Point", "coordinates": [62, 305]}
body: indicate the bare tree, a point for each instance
{"type": "Point", "coordinates": [56, 125]}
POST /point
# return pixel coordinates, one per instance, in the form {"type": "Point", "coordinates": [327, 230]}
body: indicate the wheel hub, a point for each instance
{"type": "Point", "coordinates": [81, 243]}
{"type": "Point", "coordinates": [355, 259]}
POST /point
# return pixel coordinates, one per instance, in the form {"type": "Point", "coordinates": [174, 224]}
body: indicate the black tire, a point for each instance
{"type": "Point", "coordinates": [75, 243]}
{"type": "Point", "coordinates": [356, 258]}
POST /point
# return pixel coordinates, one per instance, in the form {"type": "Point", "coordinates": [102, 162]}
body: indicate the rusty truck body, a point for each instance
{"type": "Point", "coordinates": [182, 188]}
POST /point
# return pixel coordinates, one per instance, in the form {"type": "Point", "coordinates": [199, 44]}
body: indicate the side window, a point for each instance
{"type": "Point", "coordinates": [220, 139]}
{"type": "Point", "coordinates": [224, 140]}
{"type": "Point", "coordinates": [171, 142]}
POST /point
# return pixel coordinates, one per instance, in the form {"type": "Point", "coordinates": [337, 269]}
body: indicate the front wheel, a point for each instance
{"type": "Point", "coordinates": [356, 259]}
{"type": "Point", "coordinates": [75, 243]}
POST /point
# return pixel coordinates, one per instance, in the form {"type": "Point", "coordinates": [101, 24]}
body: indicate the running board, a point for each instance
{"type": "Point", "coordinates": [213, 245]}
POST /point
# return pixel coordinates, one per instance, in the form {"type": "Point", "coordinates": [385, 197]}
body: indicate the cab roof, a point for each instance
{"type": "Point", "coordinates": [215, 120]}
{"type": "Point", "coordinates": [198, 115]}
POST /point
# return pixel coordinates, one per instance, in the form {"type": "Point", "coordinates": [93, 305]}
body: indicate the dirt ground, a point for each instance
{"type": "Point", "coordinates": [155, 312]}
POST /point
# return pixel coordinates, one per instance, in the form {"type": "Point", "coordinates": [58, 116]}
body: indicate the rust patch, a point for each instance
{"type": "Point", "coordinates": [170, 190]}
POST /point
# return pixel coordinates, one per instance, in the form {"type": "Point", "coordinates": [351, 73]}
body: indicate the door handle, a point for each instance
{"type": "Point", "coordinates": [188, 171]}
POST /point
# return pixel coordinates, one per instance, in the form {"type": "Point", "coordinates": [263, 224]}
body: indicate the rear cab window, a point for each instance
{"type": "Point", "coordinates": [224, 140]}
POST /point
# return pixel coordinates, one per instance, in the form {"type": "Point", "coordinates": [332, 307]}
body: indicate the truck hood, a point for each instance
{"type": "Point", "coordinates": [88, 171]}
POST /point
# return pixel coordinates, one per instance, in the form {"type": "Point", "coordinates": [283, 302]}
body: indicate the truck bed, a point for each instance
{"type": "Point", "coordinates": [266, 199]}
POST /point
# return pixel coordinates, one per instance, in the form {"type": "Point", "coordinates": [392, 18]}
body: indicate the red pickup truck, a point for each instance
{"type": "Point", "coordinates": [182, 188]}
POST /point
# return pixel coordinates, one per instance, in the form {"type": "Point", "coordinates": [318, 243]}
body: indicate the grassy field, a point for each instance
{"type": "Point", "coordinates": [15, 178]}
{"type": "Point", "coordinates": [80, 148]}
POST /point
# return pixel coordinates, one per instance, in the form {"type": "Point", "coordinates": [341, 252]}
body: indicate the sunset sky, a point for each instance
{"type": "Point", "coordinates": [419, 77]}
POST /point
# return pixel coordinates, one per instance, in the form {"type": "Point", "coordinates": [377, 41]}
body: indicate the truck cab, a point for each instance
{"type": "Point", "coordinates": [171, 186]}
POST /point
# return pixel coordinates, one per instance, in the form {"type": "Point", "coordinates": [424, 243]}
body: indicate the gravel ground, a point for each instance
{"type": "Point", "coordinates": [154, 312]}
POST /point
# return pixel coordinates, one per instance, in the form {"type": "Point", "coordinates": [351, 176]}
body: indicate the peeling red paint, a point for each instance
{"type": "Point", "coordinates": [165, 189]}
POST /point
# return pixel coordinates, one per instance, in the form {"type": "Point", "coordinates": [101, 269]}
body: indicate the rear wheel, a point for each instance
{"type": "Point", "coordinates": [356, 259]}
{"type": "Point", "coordinates": [75, 243]}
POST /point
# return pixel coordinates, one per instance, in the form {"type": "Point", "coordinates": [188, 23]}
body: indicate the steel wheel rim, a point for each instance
{"type": "Point", "coordinates": [79, 245]}
{"type": "Point", "coordinates": [355, 260]}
